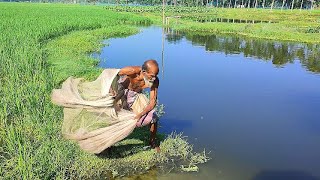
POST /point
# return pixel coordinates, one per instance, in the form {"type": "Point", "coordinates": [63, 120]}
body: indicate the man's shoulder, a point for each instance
{"type": "Point", "coordinates": [130, 70]}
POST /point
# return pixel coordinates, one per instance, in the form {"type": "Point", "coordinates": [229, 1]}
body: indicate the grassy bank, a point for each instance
{"type": "Point", "coordinates": [41, 45]}
{"type": "Point", "coordinates": [296, 25]}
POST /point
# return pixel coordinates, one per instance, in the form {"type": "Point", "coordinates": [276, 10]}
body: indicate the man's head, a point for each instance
{"type": "Point", "coordinates": [150, 70]}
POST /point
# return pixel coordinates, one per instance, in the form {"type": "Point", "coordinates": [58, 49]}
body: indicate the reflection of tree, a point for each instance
{"type": "Point", "coordinates": [280, 53]}
{"type": "Point", "coordinates": [173, 36]}
{"type": "Point", "coordinates": [310, 57]}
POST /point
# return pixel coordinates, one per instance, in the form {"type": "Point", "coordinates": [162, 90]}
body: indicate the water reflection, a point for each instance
{"type": "Point", "coordinates": [284, 175]}
{"type": "Point", "coordinates": [280, 53]}
{"type": "Point", "coordinates": [259, 121]}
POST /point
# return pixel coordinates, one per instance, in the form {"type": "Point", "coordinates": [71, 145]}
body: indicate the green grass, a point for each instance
{"type": "Point", "coordinates": [41, 45]}
{"type": "Point", "coordinates": [69, 54]}
{"type": "Point", "coordinates": [296, 25]}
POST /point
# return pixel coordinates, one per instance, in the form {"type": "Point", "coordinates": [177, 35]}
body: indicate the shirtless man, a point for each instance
{"type": "Point", "coordinates": [137, 79]}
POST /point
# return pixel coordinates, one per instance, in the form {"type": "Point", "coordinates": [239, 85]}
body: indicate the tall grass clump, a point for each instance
{"type": "Point", "coordinates": [41, 45]}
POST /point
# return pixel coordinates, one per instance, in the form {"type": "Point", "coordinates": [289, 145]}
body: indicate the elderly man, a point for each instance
{"type": "Point", "coordinates": [133, 80]}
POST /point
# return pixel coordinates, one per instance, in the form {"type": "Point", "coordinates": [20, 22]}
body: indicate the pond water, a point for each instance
{"type": "Point", "coordinates": [254, 103]}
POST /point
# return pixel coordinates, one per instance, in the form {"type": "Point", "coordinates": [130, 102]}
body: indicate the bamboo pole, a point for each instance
{"type": "Point", "coordinates": [162, 53]}
{"type": "Point", "coordinates": [163, 8]}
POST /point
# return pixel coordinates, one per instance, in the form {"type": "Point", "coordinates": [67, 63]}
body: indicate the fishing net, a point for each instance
{"type": "Point", "coordinates": [89, 115]}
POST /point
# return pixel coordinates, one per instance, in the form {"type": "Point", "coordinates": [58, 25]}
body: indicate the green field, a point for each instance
{"type": "Point", "coordinates": [41, 45]}
{"type": "Point", "coordinates": [296, 25]}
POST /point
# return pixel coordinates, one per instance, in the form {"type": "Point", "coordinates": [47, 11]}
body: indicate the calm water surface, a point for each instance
{"type": "Point", "coordinates": [254, 103]}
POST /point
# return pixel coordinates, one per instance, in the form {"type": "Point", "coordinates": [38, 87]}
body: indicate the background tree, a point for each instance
{"type": "Point", "coordinates": [292, 4]}
{"type": "Point", "coordinates": [283, 1]}
{"type": "Point", "coordinates": [301, 5]}
{"type": "Point", "coordinates": [272, 4]}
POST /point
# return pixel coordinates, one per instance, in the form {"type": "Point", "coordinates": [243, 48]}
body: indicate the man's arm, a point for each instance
{"type": "Point", "coordinates": [126, 71]}
{"type": "Point", "coordinates": [129, 70]}
{"type": "Point", "coordinates": [152, 101]}
{"type": "Point", "coordinates": [118, 96]}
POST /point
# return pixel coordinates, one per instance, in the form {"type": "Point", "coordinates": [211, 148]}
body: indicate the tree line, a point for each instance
{"type": "Point", "coordinates": [266, 4]}
{"type": "Point", "coordinates": [280, 53]}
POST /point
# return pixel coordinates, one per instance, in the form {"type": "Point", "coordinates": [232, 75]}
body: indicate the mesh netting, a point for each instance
{"type": "Point", "coordinates": [89, 115]}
